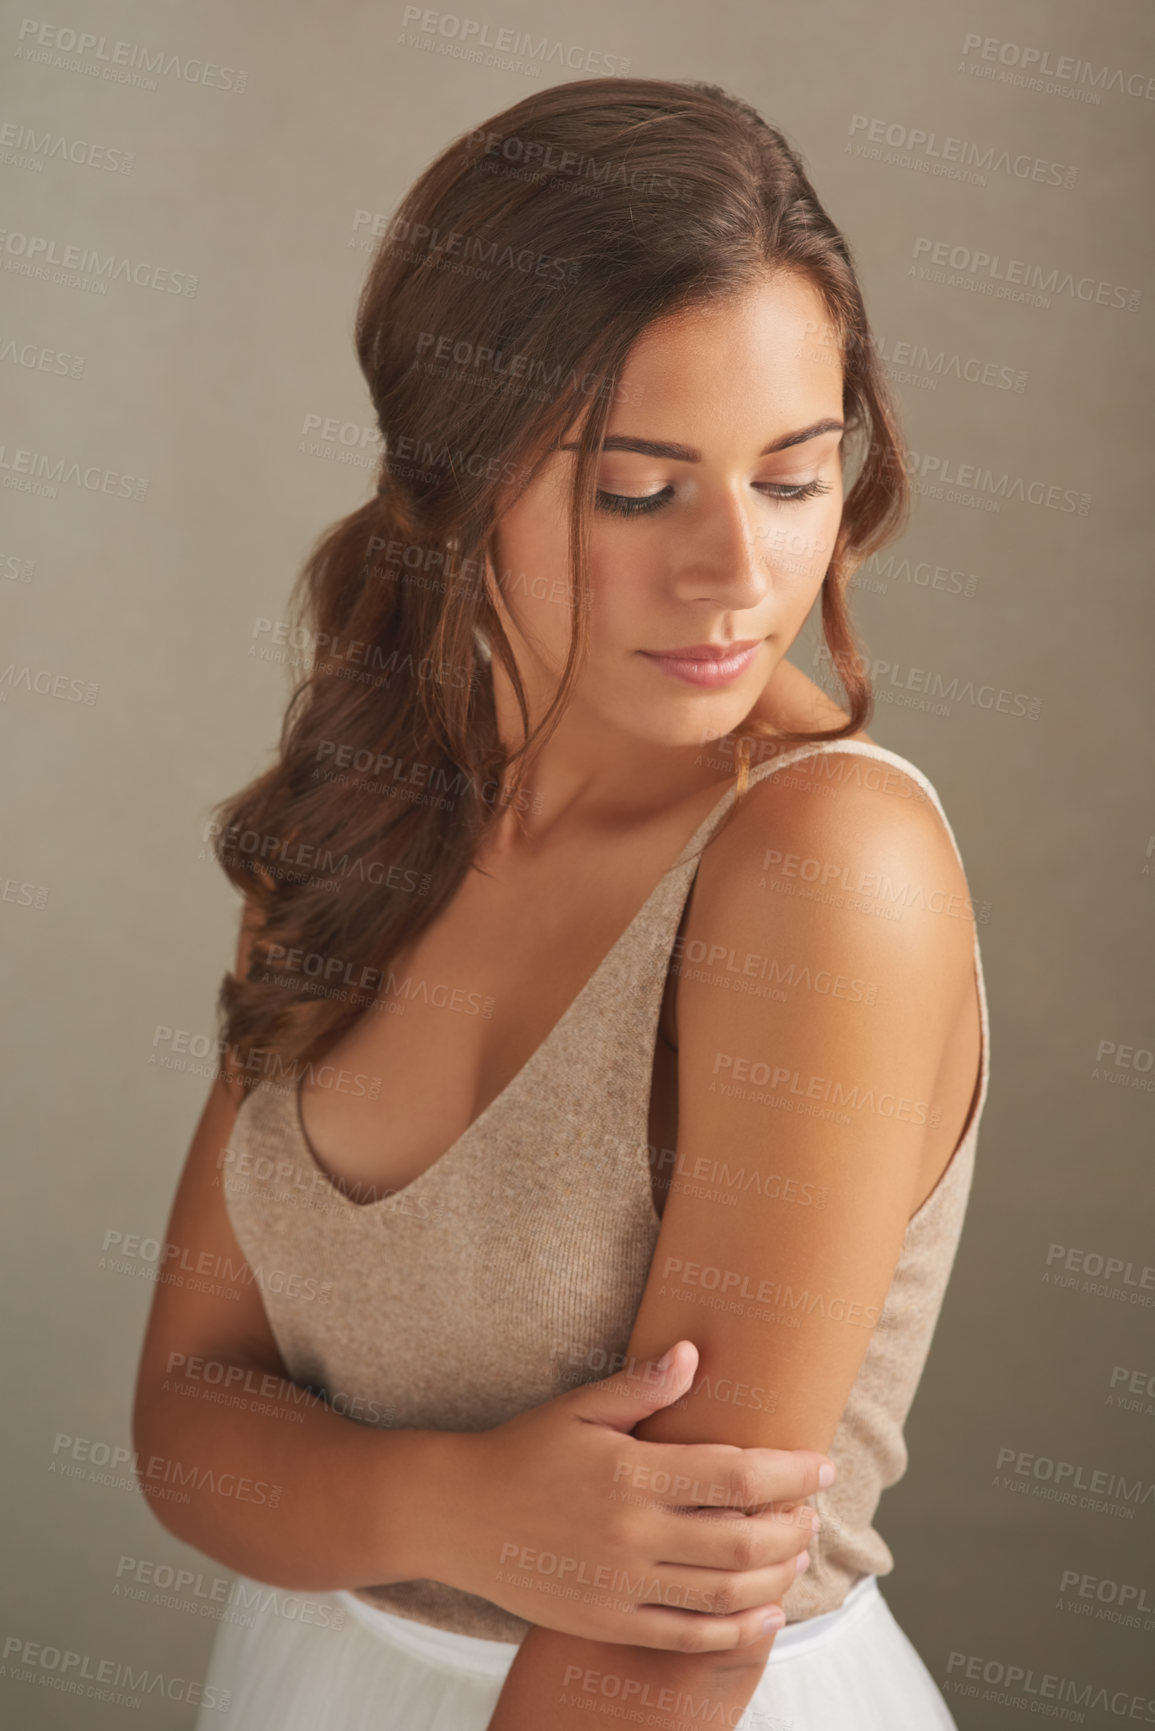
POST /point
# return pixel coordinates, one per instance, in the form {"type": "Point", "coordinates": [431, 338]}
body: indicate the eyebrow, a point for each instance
{"type": "Point", "coordinates": [687, 453]}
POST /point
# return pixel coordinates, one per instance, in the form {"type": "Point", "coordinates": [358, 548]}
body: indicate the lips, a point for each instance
{"type": "Point", "coordinates": [705, 651]}
{"type": "Point", "coordinates": [706, 664]}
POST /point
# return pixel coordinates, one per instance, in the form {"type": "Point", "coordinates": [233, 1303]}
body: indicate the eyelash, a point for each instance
{"type": "Point", "coordinates": [626, 505]}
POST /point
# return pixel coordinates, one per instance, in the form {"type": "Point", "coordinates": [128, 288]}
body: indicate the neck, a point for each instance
{"type": "Point", "coordinates": [590, 774]}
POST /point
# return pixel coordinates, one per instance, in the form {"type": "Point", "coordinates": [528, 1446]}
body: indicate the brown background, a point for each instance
{"type": "Point", "coordinates": [155, 602]}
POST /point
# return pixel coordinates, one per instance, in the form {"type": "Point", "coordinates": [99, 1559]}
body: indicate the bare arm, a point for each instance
{"type": "Point", "coordinates": [257, 1472]}
{"type": "Point", "coordinates": [233, 1456]}
{"type": "Point", "coordinates": [780, 1295]}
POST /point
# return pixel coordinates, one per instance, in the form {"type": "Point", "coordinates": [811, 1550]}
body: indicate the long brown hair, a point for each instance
{"type": "Point", "coordinates": [501, 305]}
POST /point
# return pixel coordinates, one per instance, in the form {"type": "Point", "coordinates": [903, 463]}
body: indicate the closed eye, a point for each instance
{"type": "Point", "coordinates": [636, 505]}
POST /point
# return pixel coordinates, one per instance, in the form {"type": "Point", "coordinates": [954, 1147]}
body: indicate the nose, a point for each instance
{"type": "Point", "coordinates": [719, 558]}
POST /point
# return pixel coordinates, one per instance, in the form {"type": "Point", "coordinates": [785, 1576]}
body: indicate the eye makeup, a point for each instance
{"type": "Point", "coordinates": [644, 504]}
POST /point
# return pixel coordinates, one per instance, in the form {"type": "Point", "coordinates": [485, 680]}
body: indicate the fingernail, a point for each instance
{"type": "Point", "coordinates": [775, 1620]}
{"type": "Point", "coordinates": [801, 1562]}
{"type": "Point", "coordinates": [826, 1476]}
{"type": "Point", "coordinates": [664, 1361]}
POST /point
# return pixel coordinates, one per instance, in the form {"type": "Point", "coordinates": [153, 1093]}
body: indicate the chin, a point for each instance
{"type": "Point", "coordinates": [683, 726]}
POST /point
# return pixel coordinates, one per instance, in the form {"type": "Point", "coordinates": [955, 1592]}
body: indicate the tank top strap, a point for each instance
{"type": "Point", "coordinates": [785, 760]}
{"type": "Point", "coordinates": [867, 749]}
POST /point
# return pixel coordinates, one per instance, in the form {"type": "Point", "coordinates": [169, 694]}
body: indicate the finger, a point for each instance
{"type": "Point", "coordinates": [757, 1478]}
{"type": "Point", "coordinates": [636, 1390]}
{"type": "Point", "coordinates": [687, 1632]}
{"type": "Point", "coordinates": [719, 1475]}
{"type": "Point", "coordinates": [728, 1540]}
{"type": "Point", "coordinates": [720, 1593]}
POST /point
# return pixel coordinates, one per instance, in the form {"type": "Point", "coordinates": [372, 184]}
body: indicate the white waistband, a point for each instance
{"type": "Point", "coordinates": [470, 1655]}
{"type": "Point", "coordinates": [802, 1637]}
{"type": "Point", "coordinates": [464, 1655]}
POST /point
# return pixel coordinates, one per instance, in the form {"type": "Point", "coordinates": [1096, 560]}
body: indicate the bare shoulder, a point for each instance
{"type": "Point", "coordinates": [845, 849]}
{"type": "Point", "coordinates": [865, 805]}
{"type": "Point", "coordinates": [864, 811]}
{"type": "Point", "coordinates": [817, 1000]}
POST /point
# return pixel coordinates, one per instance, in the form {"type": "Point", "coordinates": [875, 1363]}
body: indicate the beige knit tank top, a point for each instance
{"type": "Point", "coordinates": [513, 1267]}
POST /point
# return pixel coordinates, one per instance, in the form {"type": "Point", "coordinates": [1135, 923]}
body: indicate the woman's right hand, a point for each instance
{"type": "Point", "coordinates": [562, 1517]}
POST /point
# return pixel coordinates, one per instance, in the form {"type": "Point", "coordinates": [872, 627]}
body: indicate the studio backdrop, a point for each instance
{"type": "Point", "coordinates": [192, 194]}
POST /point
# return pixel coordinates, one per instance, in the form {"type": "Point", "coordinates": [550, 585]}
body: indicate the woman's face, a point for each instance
{"type": "Point", "coordinates": [719, 500]}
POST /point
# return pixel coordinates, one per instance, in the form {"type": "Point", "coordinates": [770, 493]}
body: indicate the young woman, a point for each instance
{"type": "Point", "coordinates": [607, 1042]}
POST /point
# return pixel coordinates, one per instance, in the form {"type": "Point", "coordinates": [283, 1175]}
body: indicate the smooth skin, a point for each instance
{"type": "Point", "coordinates": [732, 552]}
{"type": "Point", "coordinates": [317, 1501]}
{"type": "Point", "coordinates": [356, 1505]}
{"type": "Point", "coordinates": [728, 557]}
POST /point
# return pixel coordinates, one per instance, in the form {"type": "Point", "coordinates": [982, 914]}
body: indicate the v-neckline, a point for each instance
{"type": "Point", "coordinates": [304, 1148]}
{"type": "Point", "coordinates": [394, 1197]}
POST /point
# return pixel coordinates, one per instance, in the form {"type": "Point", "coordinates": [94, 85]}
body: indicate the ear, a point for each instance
{"type": "Point", "coordinates": [493, 596]}
{"type": "Point", "coordinates": [506, 617]}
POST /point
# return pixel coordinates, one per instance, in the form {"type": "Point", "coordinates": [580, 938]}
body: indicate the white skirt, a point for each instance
{"type": "Point", "coordinates": [352, 1667]}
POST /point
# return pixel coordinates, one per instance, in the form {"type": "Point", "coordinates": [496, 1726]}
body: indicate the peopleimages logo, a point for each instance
{"type": "Point", "coordinates": [1022, 1686]}
{"type": "Point", "coordinates": [116, 1681]}
{"type": "Point", "coordinates": [32, 254]}
{"type": "Point", "coordinates": [45, 683]}
{"type": "Point", "coordinates": [911, 362]}
{"type": "Point", "coordinates": [473, 34]}
{"type": "Point", "coordinates": [944, 477]}
{"type": "Point", "coordinates": [1013, 278]}
{"type": "Point", "coordinates": [23, 147]}
{"type": "Point", "coordinates": [39, 472]}
{"type": "Point", "coordinates": [1017, 63]}
{"type": "Point", "coordinates": [933, 684]}
{"type": "Point", "coordinates": [121, 62]}
{"type": "Point", "coordinates": [943, 155]}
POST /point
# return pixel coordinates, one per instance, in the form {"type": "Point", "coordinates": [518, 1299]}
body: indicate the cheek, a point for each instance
{"type": "Point", "coordinates": [532, 551]}
{"type": "Point", "coordinates": [623, 587]}
{"type": "Point", "coordinates": [799, 548]}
